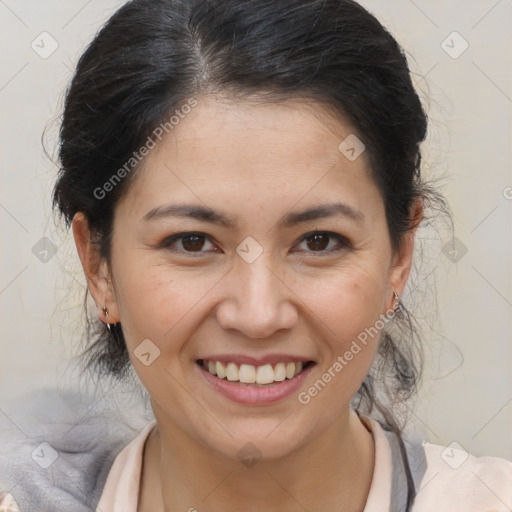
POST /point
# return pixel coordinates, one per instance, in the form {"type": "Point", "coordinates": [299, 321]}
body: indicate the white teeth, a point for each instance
{"type": "Point", "coordinates": [249, 374]}
{"type": "Point", "coordinates": [232, 371]}
{"type": "Point", "coordinates": [220, 370]}
{"type": "Point", "coordinates": [280, 372]}
{"type": "Point", "coordinates": [265, 374]}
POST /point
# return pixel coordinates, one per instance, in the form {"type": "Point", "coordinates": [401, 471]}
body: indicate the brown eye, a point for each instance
{"type": "Point", "coordinates": [319, 242]}
{"type": "Point", "coordinates": [190, 243]}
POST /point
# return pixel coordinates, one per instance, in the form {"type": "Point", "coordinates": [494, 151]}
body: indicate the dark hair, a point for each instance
{"type": "Point", "coordinates": [152, 56]}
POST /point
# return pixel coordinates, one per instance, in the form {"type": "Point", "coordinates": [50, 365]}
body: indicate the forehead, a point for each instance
{"type": "Point", "coordinates": [223, 151]}
{"type": "Point", "coordinates": [293, 131]}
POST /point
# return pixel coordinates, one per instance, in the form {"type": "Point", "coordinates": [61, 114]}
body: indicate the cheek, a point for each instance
{"type": "Point", "coordinates": [157, 302]}
{"type": "Point", "coordinates": [349, 304]}
{"type": "Point", "coordinates": [349, 299]}
{"type": "Point", "coordinates": [349, 307]}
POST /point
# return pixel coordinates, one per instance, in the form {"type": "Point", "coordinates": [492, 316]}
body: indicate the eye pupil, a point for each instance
{"type": "Point", "coordinates": [317, 241]}
{"type": "Point", "coordinates": [195, 244]}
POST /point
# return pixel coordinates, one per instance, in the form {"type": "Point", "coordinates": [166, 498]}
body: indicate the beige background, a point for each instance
{"type": "Point", "coordinates": [467, 392]}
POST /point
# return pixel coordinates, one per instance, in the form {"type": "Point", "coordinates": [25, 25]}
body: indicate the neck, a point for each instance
{"type": "Point", "coordinates": [332, 472]}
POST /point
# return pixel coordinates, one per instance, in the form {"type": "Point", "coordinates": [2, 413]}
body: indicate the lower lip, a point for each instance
{"type": "Point", "coordinates": [250, 395]}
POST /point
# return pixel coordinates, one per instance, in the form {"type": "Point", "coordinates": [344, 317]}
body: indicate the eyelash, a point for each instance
{"type": "Point", "coordinates": [342, 241]}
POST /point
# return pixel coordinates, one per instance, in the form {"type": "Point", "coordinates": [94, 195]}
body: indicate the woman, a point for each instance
{"type": "Point", "coordinates": [243, 184]}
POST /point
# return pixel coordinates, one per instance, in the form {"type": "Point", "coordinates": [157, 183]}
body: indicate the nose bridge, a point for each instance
{"type": "Point", "coordinates": [260, 285]}
{"type": "Point", "coordinates": [257, 301]}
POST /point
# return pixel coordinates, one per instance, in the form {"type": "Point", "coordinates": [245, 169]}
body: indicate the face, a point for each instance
{"type": "Point", "coordinates": [253, 282]}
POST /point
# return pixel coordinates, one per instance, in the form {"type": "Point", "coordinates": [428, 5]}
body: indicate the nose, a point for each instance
{"type": "Point", "coordinates": [257, 301]}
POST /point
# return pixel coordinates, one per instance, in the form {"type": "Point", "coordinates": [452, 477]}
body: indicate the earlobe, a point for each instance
{"type": "Point", "coordinates": [95, 268]}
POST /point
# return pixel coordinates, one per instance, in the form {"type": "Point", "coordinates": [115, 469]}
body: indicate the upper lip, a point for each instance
{"type": "Point", "coordinates": [256, 361]}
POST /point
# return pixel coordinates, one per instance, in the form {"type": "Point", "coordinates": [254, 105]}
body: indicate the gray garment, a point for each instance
{"type": "Point", "coordinates": [57, 450]}
{"type": "Point", "coordinates": [83, 436]}
{"type": "Point", "coordinates": [417, 463]}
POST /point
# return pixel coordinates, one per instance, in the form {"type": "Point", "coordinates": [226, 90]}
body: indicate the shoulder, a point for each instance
{"type": "Point", "coordinates": [57, 453]}
{"type": "Point", "coordinates": [119, 491]}
{"type": "Point", "coordinates": [457, 480]}
{"type": "Point", "coordinates": [448, 478]}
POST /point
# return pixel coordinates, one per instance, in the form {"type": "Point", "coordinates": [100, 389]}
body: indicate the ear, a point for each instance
{"type": "Point", "coordinates": [402, 261]}
{"type": "Point", "coordinates": [97, 273]}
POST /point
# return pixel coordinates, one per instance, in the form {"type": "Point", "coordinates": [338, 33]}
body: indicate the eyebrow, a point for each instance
{"type": "Point", "coordinates": [207, 214]}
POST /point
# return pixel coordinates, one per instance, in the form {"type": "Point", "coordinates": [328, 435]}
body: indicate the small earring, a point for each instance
{"type": "Point", "coordinates": [397, 300]}
{"type": "Point", "coordinates": [105, 312]}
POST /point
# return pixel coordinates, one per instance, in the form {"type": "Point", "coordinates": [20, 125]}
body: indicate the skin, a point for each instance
{"type": "Point", "coordinates": [256, 163]}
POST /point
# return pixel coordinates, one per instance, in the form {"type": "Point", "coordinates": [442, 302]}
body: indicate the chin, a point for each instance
{"type": "Point", "coordinates": [264, 441]}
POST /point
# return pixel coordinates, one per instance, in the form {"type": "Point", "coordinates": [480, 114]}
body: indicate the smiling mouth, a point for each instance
{"type": "Point", "coordinates": [254, 376]}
